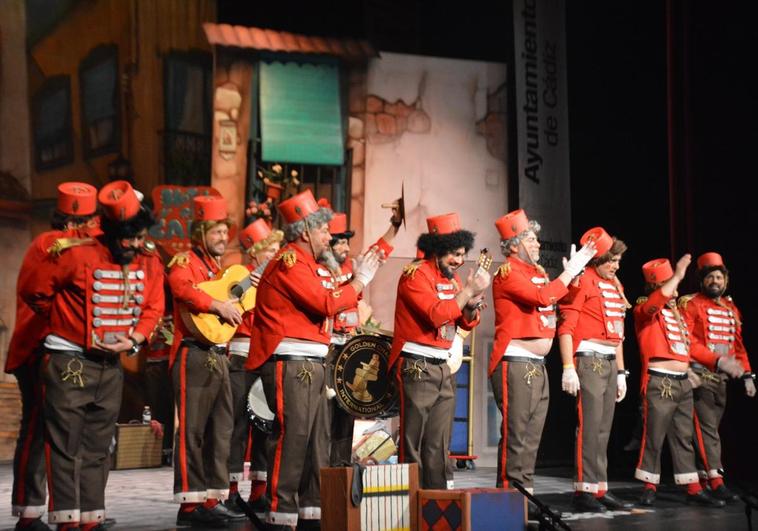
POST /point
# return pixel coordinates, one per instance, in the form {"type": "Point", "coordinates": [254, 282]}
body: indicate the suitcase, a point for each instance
{"type": "Point", "coordinates": [471, 509]}
{"type": "Point", "coordinates": [136, 447]}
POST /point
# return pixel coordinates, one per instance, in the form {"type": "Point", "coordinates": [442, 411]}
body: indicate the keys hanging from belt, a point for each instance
{"type": "Point", "coordinates": [666, 388]}
{"type": "Point", "coordinates": [211, 362]}
{"type": "Point", "coordinates": [305, 373]}
{"type": "Point", "coordinates": [531, 371]}
{"type": "Point", "coordinates": [415, 369]}
{"type": "Point", "coordinates": [597, 365]}
{"type": "Point", "coordinates": [73, 372]}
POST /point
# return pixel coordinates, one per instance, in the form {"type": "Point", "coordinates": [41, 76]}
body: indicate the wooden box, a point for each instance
{"type": "Point", "coordinates": [389, 499]}
{"type": "Point", "coordinates": [136, 447]}
{"type": "Point", "coordinates": [471, 510]}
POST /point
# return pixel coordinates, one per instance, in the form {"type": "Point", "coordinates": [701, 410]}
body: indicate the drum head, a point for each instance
{"type": "Point", "coordinates": [256, 402]}
{"type": "Point", "coordinates": [361, 379]}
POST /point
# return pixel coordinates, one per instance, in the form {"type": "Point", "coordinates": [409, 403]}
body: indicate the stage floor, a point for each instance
{"type": "Point", "coordinates": [142, 500]}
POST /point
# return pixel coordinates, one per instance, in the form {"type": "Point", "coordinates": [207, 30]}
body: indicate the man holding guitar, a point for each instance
{"type": "Point", "coordinates": [525, 320]}
{"type": "Point", "coordinates": [290, 339]}
{"type": "Point", "coordinates": [200, 374]}
{"type": "Point", "coordinates": [259, 244]}
{"type": "Point", "coordinates": [431, 303]}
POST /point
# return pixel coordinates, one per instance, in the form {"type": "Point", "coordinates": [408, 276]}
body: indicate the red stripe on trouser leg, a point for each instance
{"type": "Point", "coordinates": [700, 443]}
{"type": "Point", "coordinates": [401, 399]}
{"type": "Point", "coordinates": [279, 379]}
{"type": "Point", "coordinates": [644, 429]}
{"type": "Point", "coordinates": [579, 428]}
{"type": "Point", "coordinates": [249, 446]}
{"type": "Point", "coordinates": [25, 451]}
{"type": "Point", "coordinates": [183, 418]}
{"type": "Point", "coordinates": [504, 428]}
{"type": "Point", "coordinates": [48, 466]}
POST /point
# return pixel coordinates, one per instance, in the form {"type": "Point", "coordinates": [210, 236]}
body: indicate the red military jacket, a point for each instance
{"type": "Point", "coordinates": [525, 300]}
{"type": "Point", "coordinates": [596, 310]}
{"type": "Point", "coordinates": [348, 320]}
{"type": "Point", "coordinates": [663, 333]}
{"type": "Point", "coordinates": [186, 271]}
{"type": "Point", "coordinates": [30, 327]}
{"type": "Point", "coordinates": [426, 311]}
{"type": "Point", "coordinates": [294, 301]}
{"type": "Point", "coordinates": [715, 326]}
{"type": "Point", "coordinates": [87, 299]}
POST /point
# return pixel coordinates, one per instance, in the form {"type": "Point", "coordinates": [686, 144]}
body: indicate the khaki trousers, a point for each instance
{"type": "Point", "coordinates": [241, 381]}
{"type": "Point", "coordinates": [710, 402]}
{"type": "Point", "coordinates": [29, 478]}
{"type": "Point", "coordinates": [522, 394]}
{"type": "Point", "coordinates": [203, 399]}
{"type": "Point", "coordinates": [595, 405]}
{"type": "Point", "coordinates": [298, 446]}
{"type": "Point", "coordinates": [427, 406]}
{"type": "Point", "coordinates": [667, 414]}
{"type": "Point", "coordinates": [82, 401]}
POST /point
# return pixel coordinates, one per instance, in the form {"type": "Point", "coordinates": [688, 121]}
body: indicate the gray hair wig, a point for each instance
{"type": "Point", "coordinates": [294, 230]}
{"type": "Point", "coordinates": [505, 245]}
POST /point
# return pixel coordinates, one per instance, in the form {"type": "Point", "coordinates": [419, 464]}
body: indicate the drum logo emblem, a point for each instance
{"type": "Point", "coordinates": [361, 380]}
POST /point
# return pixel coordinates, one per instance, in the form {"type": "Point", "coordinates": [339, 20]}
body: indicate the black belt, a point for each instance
{"type": "Point", "coordinates": [654, 372]}
{"type": "Point", "coordinates": [592, 354]}
{"type": "Point", "coordinates": [428, 359]}
{"type": "Point", "coordinates": [287, 357]}
{"type": "Point", "coordinates": [524, 359]}
{"type": "Point", "coordinates": [89, 356]}
{"type": "Point", "coordinates": [216, 349]}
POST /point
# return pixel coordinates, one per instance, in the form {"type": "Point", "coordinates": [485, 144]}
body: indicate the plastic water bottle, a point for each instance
{"type": "Point", "coordinates": [147, 416]}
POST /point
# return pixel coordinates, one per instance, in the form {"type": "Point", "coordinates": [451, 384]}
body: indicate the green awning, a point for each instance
{"type": "Point", "coordinates": [301, 113]}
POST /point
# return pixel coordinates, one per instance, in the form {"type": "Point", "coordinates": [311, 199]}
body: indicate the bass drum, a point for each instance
{"type": "Point", "coordinates": [359, 375]}
{"type": "Point", "coordinates": [257, 408]}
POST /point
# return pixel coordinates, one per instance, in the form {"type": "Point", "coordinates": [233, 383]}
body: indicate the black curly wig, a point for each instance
{"type": "Point", "coordinates": [129, 228]}
{"type": "Point", "coordinates": [441, 244]}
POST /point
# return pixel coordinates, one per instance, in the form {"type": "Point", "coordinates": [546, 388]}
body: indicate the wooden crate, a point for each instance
{"type": "Point", "coordinates": [136, 447]}
{"type": "Point", "coordinates": [471, 509]}
{"type": "Point", "coordinates": [389, 499]}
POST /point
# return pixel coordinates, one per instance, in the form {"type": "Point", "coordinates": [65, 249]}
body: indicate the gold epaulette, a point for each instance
{"type": "Point", "coordinates": [683, 300]}
{"type": "Point", "coordinates": [149, 248]}
{"type": "Point", "coordinates": [410, 269]}
{"type": "Point", "coordinates": [641, 300]}
{"type": "Point", "coordinates": [61, 244]}
{"type": "Point", "coordinates": [504, 270]}
{"type": "Point", "coordinates": [180, 259]}
{"type": "Point", "coordinates": [289, 257]}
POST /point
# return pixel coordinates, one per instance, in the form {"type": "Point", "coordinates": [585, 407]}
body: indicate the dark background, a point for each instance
{"type": "Point", "coordinates": [663, 192]}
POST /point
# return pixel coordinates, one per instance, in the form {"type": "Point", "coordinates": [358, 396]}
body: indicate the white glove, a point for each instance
{"type": "Point", "coordinates": [620, 387]}
{"type": "Point", "coordinates": [367, 267]}
{"type": "Point", "coordinates": [730, 366]}
{"type": "Point", "coordinates": [576, 263]}
{"type": "Point", "coordinates": [330, 393]}
{"type": "Point", "coordinates": [570, 381]}
{"type": "Point", "coordinates": [749, 387]}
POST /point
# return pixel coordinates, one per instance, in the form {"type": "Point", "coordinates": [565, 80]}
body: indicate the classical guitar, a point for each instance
{"type": "Point", "coordinates": [234, 282]}
{"type": "Point", "coordinates": [456, 350]}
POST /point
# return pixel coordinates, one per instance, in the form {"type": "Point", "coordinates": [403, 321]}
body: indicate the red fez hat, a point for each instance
{"type": "Point", "coordinates": [710, 260]}
{"type": "Point", "coordinates": [119, 200]}
{"type": "Point", "coordinates": [338, 224]}
{"type": "Point", "coordinates": [444, 224]}
{"type": "Point", "coordinates": [657, 271]}
{"type": "Point", "coordinates": [298, 207]}
{"type": "Point", "coordinates": [209, 208]}
{"type": "Point", "coordinates": [77, 199]}
{"type": "Point", "coordinates": [603, 241]}
{"type": "Point", "coordinates": [259, 235]}
{"type": "Point", "coordinates": [512, 224]}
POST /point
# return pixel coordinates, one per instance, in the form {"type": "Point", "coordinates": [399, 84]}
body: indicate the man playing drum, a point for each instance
{"type": "Point", "coordinates": [431, 303]}
{"type": "Point", "coordinates": [290, 340]}
{"type": "Point", "coordinates": [260, 244]}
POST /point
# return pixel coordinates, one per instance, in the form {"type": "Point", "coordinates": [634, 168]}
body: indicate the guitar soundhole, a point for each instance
{"type": "Point", "coordinates": [237, 291]}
